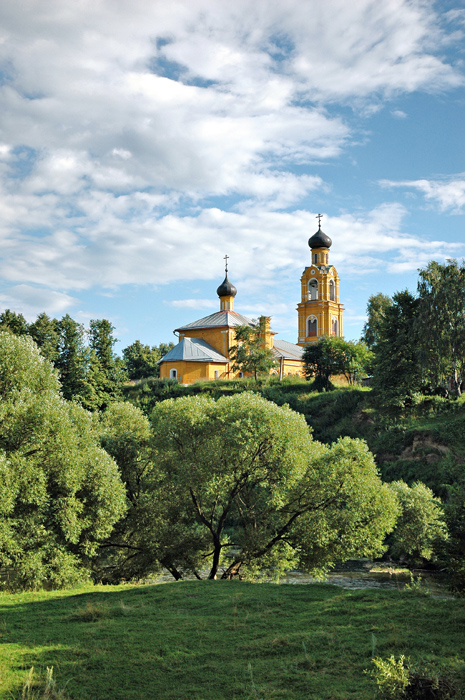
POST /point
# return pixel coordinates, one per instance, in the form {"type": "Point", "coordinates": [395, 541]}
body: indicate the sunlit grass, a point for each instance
{"type": "Point", "coordinates": [220, 640]}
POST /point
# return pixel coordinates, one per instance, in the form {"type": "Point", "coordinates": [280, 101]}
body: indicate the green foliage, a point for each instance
{"type": "Point", "coordinates": [141, 361]}
{"type": "Point", "coordinates": [399, 678]}
{"type": "Point", "coordinates": [331, 356]}
{"type": "Point", "coordinates": [250, 354]}
{"type": "Point", "coordinates": [441, 322]}
{"type": "Point", "coordinates": [13, 322]}
{"type": "Point", "coordinates": [377, 306]}
{"type": "Point", "coordinates": [105, 374]}
{"type": "Point", "coordinates": [396, 371]}
{"type": "Point", "coordinates": [256, 488]}
{"type": "Point", "coordinates": [129, 551]}
{"type": "Point", "coordinates": [45, 333]}
{"type": "Point", "coordinates": [420, 526]}
{"type": "Point", "coordinates": [392, 677]}
{"type": "Point", "coordinates": [60, 492]}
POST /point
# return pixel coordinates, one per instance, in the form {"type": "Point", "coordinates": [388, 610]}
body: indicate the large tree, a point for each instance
{"type": "Point", "coordinates": [441, 322]}
{"type": "Point", "coordinates": [377, 306]}
{"type": "Point", "coordinates": [240, 480]}
{"type": "Point", "coordinates": [105, 374]}
{"type": "Point", "coordinates": [397, 374]}
{"type": "Point", "coordinates": [60, 493]}
{"type": "Point", "coordinates": [330, 356]}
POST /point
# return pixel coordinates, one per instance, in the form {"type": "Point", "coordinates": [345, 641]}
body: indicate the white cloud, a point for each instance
{"type": "Point", "coordinates": [142, 140]}
{"type": "Point", "coordinates": [30, 301]}
{"type": "Point", "coordinates": [193, 303]}
{"type": "Point", "coordinates": [447, 194]}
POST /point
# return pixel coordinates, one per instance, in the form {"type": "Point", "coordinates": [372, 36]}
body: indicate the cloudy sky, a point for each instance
{"type": "Point", "coordinates": [142, 140]}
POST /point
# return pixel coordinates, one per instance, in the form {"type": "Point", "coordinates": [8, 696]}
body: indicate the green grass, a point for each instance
{"type": "Point", "coordinates": [221, 640]}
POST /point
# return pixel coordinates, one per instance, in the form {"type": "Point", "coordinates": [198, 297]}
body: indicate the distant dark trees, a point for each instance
{"type": "Point", "coordinates": [419, 341]}
{"type": "Point", "coordinates": [89, 370]}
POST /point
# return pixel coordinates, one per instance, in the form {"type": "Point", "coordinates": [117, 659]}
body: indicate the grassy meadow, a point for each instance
{"type": "Point", "coordinates": [221, 640]}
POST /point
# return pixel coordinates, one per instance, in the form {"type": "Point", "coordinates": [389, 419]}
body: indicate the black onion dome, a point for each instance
{"type": "Point", "coordinates": [320, 240]}
{"type": "Point", "coordinates": [226, 289]}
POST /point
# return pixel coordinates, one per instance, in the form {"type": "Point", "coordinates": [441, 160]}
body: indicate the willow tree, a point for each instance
{"type": "Point", "coordinates": [251, 489]}
{"type": "Point", "coordinates": [60, 493]}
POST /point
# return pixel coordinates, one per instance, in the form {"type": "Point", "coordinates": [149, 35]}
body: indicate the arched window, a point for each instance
{"type": "Point", "coordinates": [173, 373]}
{"type": "Point", "coordinates": [315, 258]}
{"type": "Point", "coordinates": [332, 290]}
{"type": "Point", "coordinates": [312, 327]}
{"type": "Point", "coordinates": [334, 326]}
{"type": "Point", "coordinates": [313, 289]}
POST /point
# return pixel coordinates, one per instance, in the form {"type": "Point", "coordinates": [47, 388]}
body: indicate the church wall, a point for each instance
{"type": "Point", "coordinates": [189, 372]}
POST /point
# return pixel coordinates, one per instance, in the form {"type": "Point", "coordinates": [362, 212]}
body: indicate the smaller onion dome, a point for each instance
{"type": "Point", "coordinates": [320, 240]}
{"type": "Point", "coordinates": [226, 289]}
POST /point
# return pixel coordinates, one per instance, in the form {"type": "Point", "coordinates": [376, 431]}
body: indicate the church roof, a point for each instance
{"type": "Point", "coordinates": [289, 351]}
{"type": "Point", "coordinates": [193, 350]}
{"type": "Point", "coordinates": [230, 319]}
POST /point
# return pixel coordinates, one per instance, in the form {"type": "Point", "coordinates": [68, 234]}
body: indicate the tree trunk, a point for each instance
{"type": "Point", "coordinates": [233, 571]}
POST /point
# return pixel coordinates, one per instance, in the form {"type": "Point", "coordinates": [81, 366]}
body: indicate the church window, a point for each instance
{"type": "Point", "coordinates": [334, 326]}
{"type": "Point", "coordinates": [313, 290]}
{"type": "Point", "coordinates": [173, 373]}
{"type": "Point", "coordinates": [312, 327]}
{"type": "Point", "coordinates": [217, 374]}
{"type": "Point", "coordinates": [315, 258]}
{"type": "Point", "coordinates": [332, 290]}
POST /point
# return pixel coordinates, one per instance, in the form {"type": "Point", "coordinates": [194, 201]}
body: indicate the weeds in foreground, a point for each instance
{"type": "Point", "coordinates": [32, 689]}
{"type": "Point", "coordinates": [397, 678]}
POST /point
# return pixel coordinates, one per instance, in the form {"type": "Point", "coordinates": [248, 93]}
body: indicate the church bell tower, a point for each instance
{"type": "Point", "coordinates": [320, 312]}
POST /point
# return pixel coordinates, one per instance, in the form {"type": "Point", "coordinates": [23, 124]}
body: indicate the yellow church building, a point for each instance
{"type": "Point", "coordinates": [202, 352]}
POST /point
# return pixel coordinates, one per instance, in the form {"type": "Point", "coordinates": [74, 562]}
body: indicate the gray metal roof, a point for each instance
{"type": "Point", "coordinates": [230, 319]}
{"type": "Point", "coordinates": [193, 350]}
{"type": "Point", "coordinates": [288, 350]}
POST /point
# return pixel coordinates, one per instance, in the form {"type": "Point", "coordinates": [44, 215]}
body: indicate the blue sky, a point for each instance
{"type": "Point", "coordinates": [141, 141]}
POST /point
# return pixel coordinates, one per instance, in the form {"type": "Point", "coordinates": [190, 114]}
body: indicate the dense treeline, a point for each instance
{"type": "Point", "coordinates": [90, 372]}
{"type": "Point", "coordinates": [418, 341]}
{"type": "Point", "coordinates": [225, 478]}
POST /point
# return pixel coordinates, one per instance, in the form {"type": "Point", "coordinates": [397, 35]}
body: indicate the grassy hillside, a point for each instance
{"type": "Point", "coordinates": [222, 640]}
{"type": "Point", "coordinates": [425, 443]}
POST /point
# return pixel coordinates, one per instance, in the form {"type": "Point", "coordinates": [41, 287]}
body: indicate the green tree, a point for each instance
{"type": "Point", "coordinates": [377, 306]}
{"type": "Point", "coordinates": [141, 361]}
{"type": "Point", "coordinates": [397, 374]}
{"type": "Point", "coordinates": [358, 361]}
{"type": "Point", "coordinates": [250, 354]}
{"type": "Point", "coordinates": [441, 322]}
{"type": "Point", "coordinates": [420, 526]}
{"type": "Point", "coordinates": [13, 323]}
{"type": "Point", "coordinates": [72, 358]}
{"type": "Point", "coordinates": [329, 356]}
{"type": "Point", "coordinates": [105, 374]}
{"type": "Point", "coordinates": [248, 485]}
{"type": "Point", "coordinates": [44, 332]}
{"type": "Point", "coordinates": [60, 493]}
